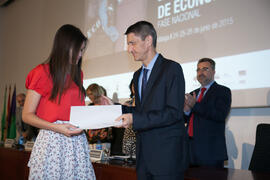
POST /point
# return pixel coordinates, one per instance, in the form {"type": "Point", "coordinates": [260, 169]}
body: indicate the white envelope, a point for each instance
{"type": "Point", "coordinates": [95, 117]}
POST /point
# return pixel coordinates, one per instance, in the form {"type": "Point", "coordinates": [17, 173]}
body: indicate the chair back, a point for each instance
{"type": "Point", "coordinates": [260, 160]}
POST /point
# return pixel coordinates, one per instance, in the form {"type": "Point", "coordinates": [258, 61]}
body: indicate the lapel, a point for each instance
{"type": "Point", "coordinates": [136, 81]}
{"type": "Point", "coordinates": [153, 77]}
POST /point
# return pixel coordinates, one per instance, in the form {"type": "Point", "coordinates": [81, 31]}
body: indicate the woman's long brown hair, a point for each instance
{"type": "Point", "coordinates": [62, 60]}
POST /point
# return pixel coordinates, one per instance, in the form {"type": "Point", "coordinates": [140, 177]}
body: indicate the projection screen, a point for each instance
{"type": "Point", "coordinates": [235, 33]}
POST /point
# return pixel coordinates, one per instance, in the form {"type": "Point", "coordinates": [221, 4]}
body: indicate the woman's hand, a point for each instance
{"type": "Point", "coordinates": [67, 129]}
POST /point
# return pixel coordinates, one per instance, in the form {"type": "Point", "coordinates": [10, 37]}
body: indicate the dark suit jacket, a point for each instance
{"type": "Point", "coordinates": [158, 119]}
{"type": "Point", "coordinates": [208, 142]}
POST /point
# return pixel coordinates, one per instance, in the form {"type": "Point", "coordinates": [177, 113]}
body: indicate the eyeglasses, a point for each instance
{"type": "Point", "coordinates": [202, 69]}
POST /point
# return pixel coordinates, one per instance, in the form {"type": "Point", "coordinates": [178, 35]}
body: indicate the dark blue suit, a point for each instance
{"type": "Point", "coordinates": [208, 143]}
{"type": "Point", "coordinates": [158, 120]}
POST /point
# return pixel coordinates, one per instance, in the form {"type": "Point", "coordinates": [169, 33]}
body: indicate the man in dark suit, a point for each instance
{"type": "Point", "coordinates": [157, 117]}
{"type": "Point", "coordinates": [206, 109]}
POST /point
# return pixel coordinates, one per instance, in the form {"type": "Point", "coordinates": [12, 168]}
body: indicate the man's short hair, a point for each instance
{"type": "Point", "coordinates": [143, 29]}
{"type": "Point", "coordinates": [211, 61]}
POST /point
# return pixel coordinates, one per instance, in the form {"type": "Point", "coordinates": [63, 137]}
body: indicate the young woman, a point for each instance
{"type": "Point", "coordinates": [61, 150]}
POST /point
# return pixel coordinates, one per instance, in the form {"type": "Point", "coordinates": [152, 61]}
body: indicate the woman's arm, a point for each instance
{"type": "Point", "coordinates": [29, 117]}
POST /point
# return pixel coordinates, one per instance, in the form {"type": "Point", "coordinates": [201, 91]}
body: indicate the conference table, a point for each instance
{"type": "Point", "coordinates": [13, 165]}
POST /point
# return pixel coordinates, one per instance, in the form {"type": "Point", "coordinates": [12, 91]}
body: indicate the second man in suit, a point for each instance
{"type": "Point", "coordinates": [206, 109]}
{"type": "Point", "coordinates": [157, 117]}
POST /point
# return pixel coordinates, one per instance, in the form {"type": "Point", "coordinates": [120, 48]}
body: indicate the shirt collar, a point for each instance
{"type": "Point", "coordinates": [152, 62]}
{"type": "Point", "coordinates": [208, 85]}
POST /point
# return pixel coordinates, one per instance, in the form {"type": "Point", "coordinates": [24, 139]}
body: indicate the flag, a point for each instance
{"type": "Point", "coordinates": [12, 117]}
{"type": "Point", "coordinates": [4, 114]}
{"type": "Point", "coordinates": [8, 109]}
{"type": "Point", "coordinates": [7, 114]}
